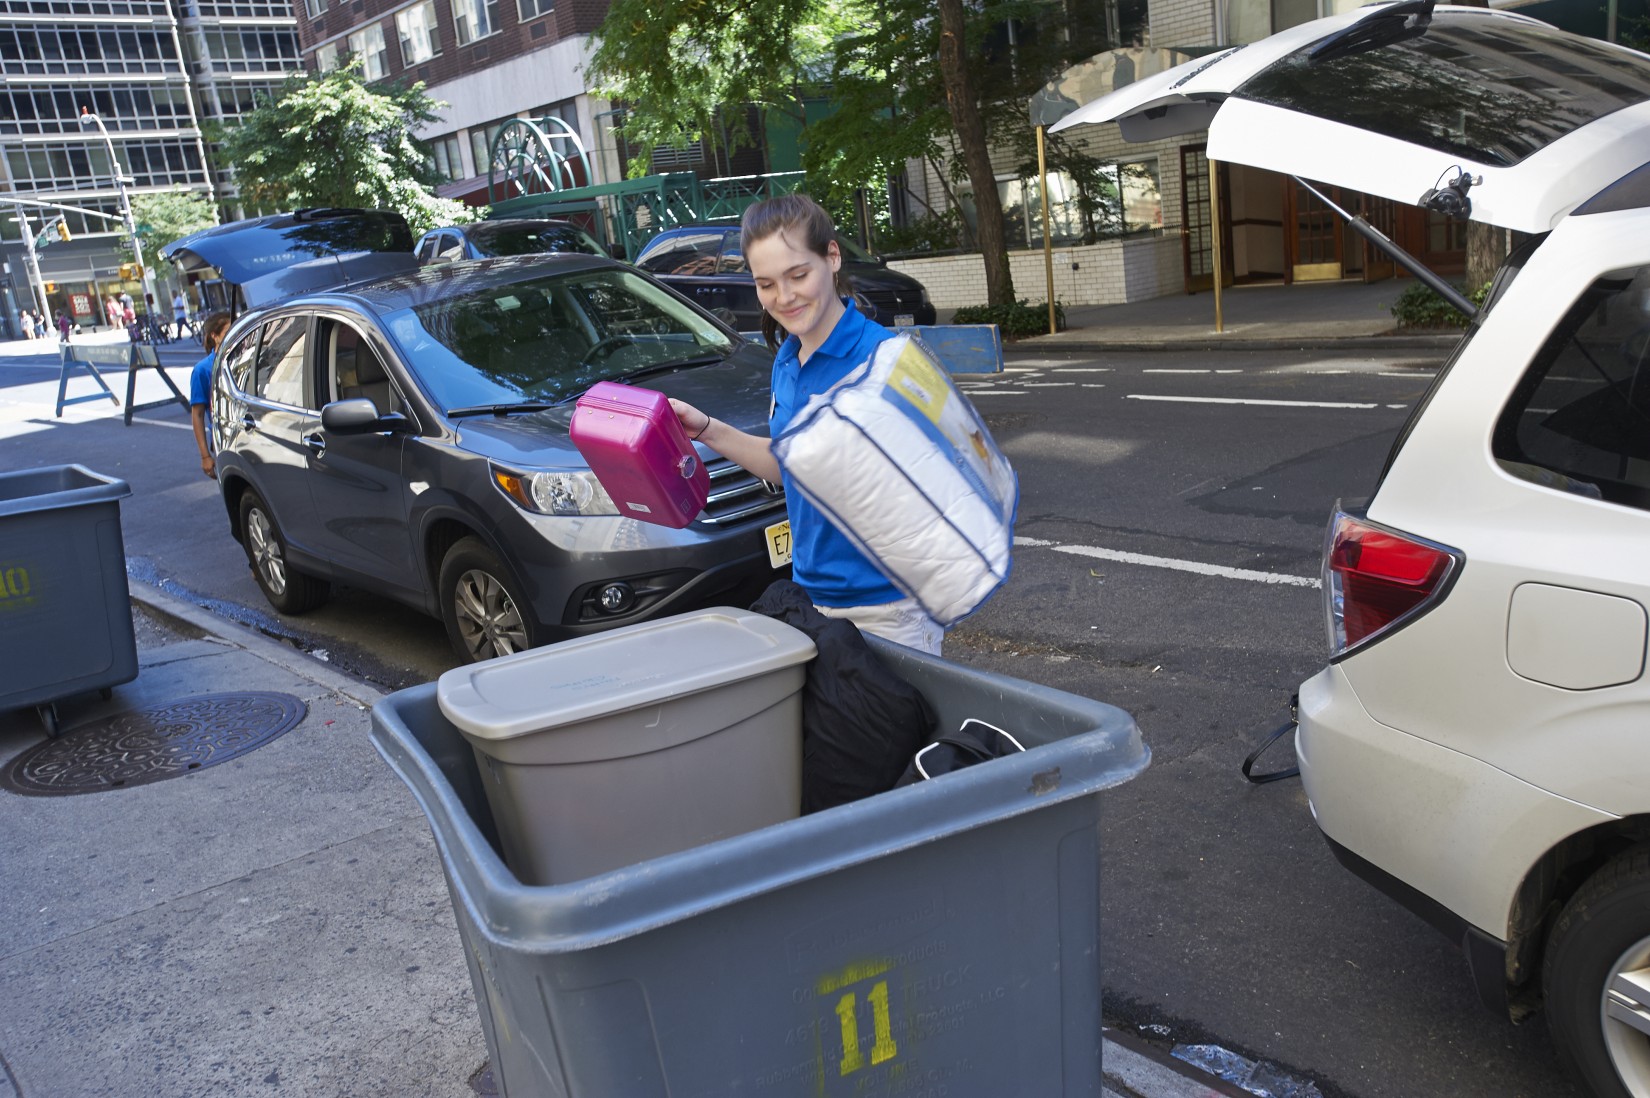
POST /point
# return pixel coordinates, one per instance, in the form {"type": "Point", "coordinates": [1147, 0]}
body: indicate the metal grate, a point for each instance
{"type": "Point", "coordinates": [152, 744]}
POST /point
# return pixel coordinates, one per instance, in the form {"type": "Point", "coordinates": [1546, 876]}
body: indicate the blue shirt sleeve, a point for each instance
{"type": "Point", "coordinates": [200, 381]}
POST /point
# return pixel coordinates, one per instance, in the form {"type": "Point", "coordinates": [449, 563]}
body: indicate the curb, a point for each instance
{"type": "Point", "coordinates": [1317, 343]}
{"type": "Point", "coordinates": [177, 612]}
{"type": "Point", "coordinates": [1135, 1069]}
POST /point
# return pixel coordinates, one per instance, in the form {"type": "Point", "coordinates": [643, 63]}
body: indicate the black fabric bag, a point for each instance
{"type": "Point", "coordinates": [860, 721]}
{"type": "Point", "coordinates": [974, 742]}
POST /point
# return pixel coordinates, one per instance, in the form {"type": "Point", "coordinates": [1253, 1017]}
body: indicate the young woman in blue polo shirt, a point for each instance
{"type": "Point", "coordinates": [790, 246]}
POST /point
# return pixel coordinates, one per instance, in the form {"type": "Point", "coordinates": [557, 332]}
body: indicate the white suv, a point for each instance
{"type": "Point", "coordinates": [1479, 745]}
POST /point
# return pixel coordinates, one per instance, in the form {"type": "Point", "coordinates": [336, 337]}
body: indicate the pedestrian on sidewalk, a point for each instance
{"type": "Point", "coordinates": [200, 391]}
{"type": "Point", "coordinates": [64, 325]}
{"type": "Point", "coordinates": [113, 311]}
{"type": "Point", "coordinates": [128, 316]}
{"type": "Point", "coordinates": [180, 316]}
{"type": "Point", "coordinates": [27, 320]}
{"type": "Point", "coordinates": [790, 247]}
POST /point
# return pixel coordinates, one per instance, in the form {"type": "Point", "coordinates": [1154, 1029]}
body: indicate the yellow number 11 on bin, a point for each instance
{"type": "Point", "coordinates": [884, 1049]}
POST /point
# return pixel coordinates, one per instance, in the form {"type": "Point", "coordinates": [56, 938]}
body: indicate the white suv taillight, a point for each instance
{"type": "Point", "coordinates": [1376, 579]}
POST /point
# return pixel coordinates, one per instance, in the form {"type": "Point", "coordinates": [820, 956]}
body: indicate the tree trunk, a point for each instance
{"type": "Point", "coordinates": [970, 127]}
{"type": "Point", "coordinates": [1486, 248]}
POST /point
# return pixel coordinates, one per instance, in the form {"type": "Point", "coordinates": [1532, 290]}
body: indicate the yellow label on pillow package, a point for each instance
{"type": "Point", "coordinates": [917, 379]}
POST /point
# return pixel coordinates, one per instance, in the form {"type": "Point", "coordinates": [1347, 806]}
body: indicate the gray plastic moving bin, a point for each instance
{"type": "Point", "coordinates": [942, 938]}
{"type": "Point", "coordinates": [608, 750]}
{"type": "Point", "coordinates": [65, 609]}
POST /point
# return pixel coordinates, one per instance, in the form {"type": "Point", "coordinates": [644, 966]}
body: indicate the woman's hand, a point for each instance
{"type": "Point", "coordinates": [750, 451]}
{"type": "Point", "coordinates": [693, 421]}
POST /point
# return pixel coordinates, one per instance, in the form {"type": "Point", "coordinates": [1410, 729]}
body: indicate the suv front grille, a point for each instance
{"type": "Point", "coordinates": [736, 495]}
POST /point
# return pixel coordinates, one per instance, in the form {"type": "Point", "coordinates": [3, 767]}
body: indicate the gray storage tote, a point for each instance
{"type": "Point", "coordinates": [611, 749]}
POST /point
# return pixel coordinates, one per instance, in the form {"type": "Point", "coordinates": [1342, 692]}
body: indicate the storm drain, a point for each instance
{"type": "Point", "coordinates": [152, 744]}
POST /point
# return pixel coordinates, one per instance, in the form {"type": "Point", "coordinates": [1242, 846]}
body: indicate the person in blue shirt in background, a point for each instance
{"type": "Point", "coordinates": [200, 390]}
{"type": "Point", "coordinates": [791, 248]}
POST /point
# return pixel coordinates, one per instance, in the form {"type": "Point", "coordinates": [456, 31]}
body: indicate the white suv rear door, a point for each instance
{"type": "Point", "coordinates": [1395, 100]}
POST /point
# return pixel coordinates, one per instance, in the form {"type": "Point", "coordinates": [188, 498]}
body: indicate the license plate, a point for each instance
{"type": "Point", "coordinates": [779, 543]}
{"type": "Point", "coordinates": [905, 320]}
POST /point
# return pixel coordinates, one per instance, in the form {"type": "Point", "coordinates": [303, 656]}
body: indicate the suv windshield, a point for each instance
{"type": "Point", "coordinates": [1491, 91]}
{"type": "Point", "coordinates": [551, 338]}
{"type": "Point", "coordinates": [531, 238]}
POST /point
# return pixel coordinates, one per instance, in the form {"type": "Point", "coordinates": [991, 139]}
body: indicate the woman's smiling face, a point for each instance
{"type": "Point", "coordinates": [797, 286]}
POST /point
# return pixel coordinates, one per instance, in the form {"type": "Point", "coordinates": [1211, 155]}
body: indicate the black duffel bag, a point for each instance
{"type": "Point", "coordinates": [975, 742]}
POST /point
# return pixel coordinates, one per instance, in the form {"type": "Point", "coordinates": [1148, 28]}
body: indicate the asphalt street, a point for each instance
{"type": "Point", "coordinates": [1171, 522]}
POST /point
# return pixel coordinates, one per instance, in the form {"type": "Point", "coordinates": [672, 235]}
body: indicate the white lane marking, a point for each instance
{"type": "Point", "coordinates": [1236, 400]}
{"type": "Point", "coordinates": [1042, 361]}
{"type": "Point", "coordinates": [1049, 384]}
{"type": "Point", "coordinates": [163, 423]}
{"type": "Point", "coordinates": [996, 393]}
{"type": "Point", "coordinates": [1082, 369]}
{"type": "Point", "coordinates": [1092, 385]}
{"type": "Point", "coordinates": [1220, 571]}
{"type": "Point", "coordinates": [1228, 371]}
{"type": "Point", "coordinates": [1406, 373]}
{"type": "Point", "coordinates": [1397, 406]}
{"type": "Point", "coordinates": [1175, 371]}
{"type": "Point", "coordinates": [1020, 370]}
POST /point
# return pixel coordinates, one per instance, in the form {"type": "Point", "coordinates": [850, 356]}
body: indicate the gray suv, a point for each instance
{"type": "Point", "coordinates": [408, 435]}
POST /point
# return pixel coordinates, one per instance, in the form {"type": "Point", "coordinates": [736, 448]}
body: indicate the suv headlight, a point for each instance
{"type": "Point", "coordinates": [554, 493]}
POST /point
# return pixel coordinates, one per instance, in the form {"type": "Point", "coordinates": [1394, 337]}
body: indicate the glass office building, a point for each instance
{"type": "Point", "coordinates": [153, 71]}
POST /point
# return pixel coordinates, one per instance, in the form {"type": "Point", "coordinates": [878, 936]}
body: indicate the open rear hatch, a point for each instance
{"type": "Point", "coordinates": [1475, 112]}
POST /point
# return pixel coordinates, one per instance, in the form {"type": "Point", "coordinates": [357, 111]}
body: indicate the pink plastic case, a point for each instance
{"type": "Point", "coordinates": [636, 447]}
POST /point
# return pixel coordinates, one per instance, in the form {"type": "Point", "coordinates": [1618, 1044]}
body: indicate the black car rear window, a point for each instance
{"type": "Point", "coordinates": [689, 252]}
{"type": "Point", "coordinates": [505, 239]}
{"type": "Point", "coordinates": [1491, 90]}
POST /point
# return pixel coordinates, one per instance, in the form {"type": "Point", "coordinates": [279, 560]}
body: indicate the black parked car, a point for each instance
{"type": "Point", "coordinates": [408, 435]}
{"type": "Point", "coordinates": [507, 236]}
{"type": "Point", "coordinates": [705, 263]}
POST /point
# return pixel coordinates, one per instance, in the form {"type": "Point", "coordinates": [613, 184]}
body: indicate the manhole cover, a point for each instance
{"type": "Point", "coordinates": [152, 744]}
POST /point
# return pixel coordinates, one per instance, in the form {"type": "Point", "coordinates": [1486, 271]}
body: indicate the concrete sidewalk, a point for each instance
{"type": "Point", "coordinates": [1263, 317]}
{"type": "Point", "coordinates": [278, 923]}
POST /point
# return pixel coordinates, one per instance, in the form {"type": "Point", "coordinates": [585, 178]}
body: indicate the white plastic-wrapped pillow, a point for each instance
{"type": "Point", "coordinates": [901, 463]}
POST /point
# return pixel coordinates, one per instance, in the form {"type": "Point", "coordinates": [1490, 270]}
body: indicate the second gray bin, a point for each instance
{"type": "Point", "coordinates": [943, 938]}
{"type": "Point", "coordinates": [65, 608]}
{"type": "Point", "coordinates": [608, 750]}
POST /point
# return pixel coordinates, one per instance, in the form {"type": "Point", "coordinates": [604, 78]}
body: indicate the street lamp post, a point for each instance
{"type": "Point", "coordinates": [150, 304]}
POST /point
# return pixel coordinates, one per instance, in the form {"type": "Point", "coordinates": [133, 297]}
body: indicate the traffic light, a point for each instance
{"type": "Point", "coordinates": [131, 272]}
{"type": "Point", "coordinates": [63, 233]}
{"type": "Point", "coordinates": [51, 287]}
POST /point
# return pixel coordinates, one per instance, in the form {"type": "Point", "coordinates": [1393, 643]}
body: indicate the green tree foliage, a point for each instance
{"type": "Point", "coordinates": [678, 68]}
{"type": "Point", "coordinates": [171, 215]}
{"type": "Point", "coordinates": [887, 84]}
{"type": "Point", "coordinates": [681, 67]}
{"type": "Point", "coordinates": [332, 140]}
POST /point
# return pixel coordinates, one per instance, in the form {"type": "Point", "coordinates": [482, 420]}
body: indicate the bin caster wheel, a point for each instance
{"type": "Point", "coordinates": [48, 717]}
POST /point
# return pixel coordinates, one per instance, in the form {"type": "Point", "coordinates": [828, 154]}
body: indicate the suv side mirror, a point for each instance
{"type": "Point", "coordinates": [359, 416]}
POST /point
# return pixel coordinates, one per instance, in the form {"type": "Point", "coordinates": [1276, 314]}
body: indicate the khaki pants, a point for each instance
{"type": "Point", "coordinates": [902, 621]}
